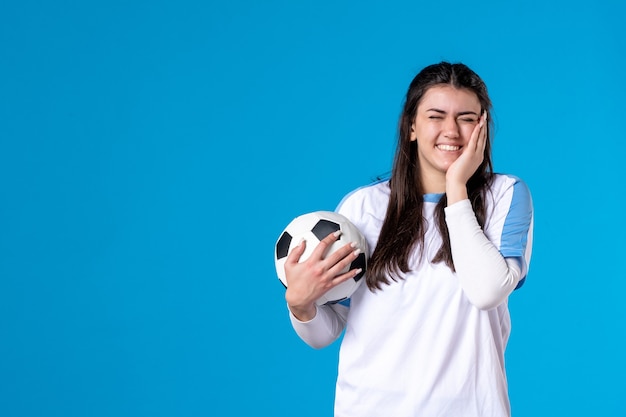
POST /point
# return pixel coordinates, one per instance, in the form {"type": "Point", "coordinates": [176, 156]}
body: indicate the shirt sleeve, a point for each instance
{"type": "Point", "coordinates": [485, 275]}
{"type": "Point", "coordinates": [510, 222]}
{"type": "Point", "coordinates": [324, 328]}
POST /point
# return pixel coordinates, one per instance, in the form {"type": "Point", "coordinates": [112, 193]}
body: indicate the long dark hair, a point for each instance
{"type": "Point", "coordinates": [404, 226]}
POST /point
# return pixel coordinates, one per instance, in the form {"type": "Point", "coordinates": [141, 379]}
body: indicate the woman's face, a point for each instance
{"type": "Point", "coordinates": [445, 119]}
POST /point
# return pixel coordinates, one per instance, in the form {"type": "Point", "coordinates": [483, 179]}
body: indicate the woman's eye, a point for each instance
{"type": "Point", "coordinates": [468, 120]}
{"type": "Point", "coordinates": [435, 117]}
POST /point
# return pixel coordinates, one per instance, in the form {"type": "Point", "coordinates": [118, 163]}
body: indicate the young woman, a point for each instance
{"type": "Point", "coordinates": [451, 240]}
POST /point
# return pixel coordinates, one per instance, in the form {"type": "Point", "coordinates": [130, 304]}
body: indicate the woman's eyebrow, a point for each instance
{"type": "Point", "coordinates": [462, 113]}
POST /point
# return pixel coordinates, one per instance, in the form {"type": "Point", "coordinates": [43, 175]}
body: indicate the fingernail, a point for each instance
{"type": "Point", "coordinates": [337, 233]}
{"type": "Point", "coordinates": [358, 271]}
{"type": "Point", "coordinates": [301, 242]}
{"type": "Point", "coordinates": [356, 252]}
{"type": "Point", "coordinates": [353, 244]}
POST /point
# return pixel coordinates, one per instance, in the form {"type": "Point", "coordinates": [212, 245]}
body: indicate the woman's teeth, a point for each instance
{"type": "Point", "coordinates": [448, 147]}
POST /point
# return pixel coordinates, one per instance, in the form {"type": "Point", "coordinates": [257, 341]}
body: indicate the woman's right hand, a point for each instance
{"type": "Point", "coordinates": [309, 280]}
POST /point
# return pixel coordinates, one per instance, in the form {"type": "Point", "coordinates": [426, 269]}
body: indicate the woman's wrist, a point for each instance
{"type": "Point", "coordinates": [303, 313]}
{"type": "Point", "coordinates": [455, 192]}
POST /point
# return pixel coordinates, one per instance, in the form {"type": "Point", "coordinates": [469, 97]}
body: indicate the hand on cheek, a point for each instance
{"type": "Point", "coordinates": [463, 168]}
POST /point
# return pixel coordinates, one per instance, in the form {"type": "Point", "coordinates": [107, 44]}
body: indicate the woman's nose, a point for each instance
{"type": "Point", "coordinates": [450, 128]}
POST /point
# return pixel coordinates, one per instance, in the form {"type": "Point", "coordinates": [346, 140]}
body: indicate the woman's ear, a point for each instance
{"type": "Point", "coordinates": [413, 136]}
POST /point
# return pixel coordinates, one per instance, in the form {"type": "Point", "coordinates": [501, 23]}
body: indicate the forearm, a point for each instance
{"type": "Point", "coordinates": [324, 328]}
{"type": "Point", "coordinates": [486, 277]}
{"type": "Point", "coordinates": [455, 192]}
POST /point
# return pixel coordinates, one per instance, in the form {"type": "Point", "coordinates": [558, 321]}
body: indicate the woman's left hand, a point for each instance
{"type": "Point", "coordinates": [461, 170]}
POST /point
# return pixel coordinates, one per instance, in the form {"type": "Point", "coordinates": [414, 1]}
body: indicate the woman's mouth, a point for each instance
{"type": "Point", "coordinates": [442, 147]}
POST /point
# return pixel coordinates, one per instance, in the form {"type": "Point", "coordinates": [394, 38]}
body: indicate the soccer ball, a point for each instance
{"type": "Point", "coordinates": [313, 227]}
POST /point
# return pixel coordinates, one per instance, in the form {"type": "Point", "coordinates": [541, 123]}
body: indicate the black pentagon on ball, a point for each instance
{"type": "Point", "coordinates": [282, 246]}
{"type": "Point", "coordinates": [323, 228]}
{"type": "Point", "coordinates": [359, 262]}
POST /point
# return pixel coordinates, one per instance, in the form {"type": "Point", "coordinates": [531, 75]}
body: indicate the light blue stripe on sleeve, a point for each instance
{"type": "Point", "coordinates": [516, 230]}
{"type": "Point", "coordinates": [517, 223]}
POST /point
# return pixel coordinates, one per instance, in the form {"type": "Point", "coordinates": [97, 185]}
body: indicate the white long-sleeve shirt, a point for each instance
{"type": "Point", "coordinates": [433, 342]}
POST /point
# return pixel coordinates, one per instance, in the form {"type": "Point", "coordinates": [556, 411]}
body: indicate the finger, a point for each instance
{"type": "Point", "coordinates": [482, 141]}
{"type": "Point", "coordinates": [341, 253]}
{"type": "Point", "coordinates": [472, 144]}
{"type": "Point", "coordinates": [322, 247]}
{"type": "Point", "coordinates": [346, 276]}
{"type": "Point", "coordinates": [338, 263]}
{"type": "Point", "coordinates": [478, 135]}
{"type": "Point", "coordinates": [296, 253]}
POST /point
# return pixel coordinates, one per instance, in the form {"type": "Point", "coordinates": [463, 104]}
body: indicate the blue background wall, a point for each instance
{"type": "Point", "coordinates": [151, 153]}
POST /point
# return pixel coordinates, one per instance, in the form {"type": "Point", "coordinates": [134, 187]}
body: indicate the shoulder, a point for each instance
{"type": "Point", "coordinates": [366, 207]}
{"type": "Point", "coordinates": [507, 180]}
{"type": "Point", "coordinates": [510, 188]}
{"type": "Point", "coordinates": [368, 198]}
